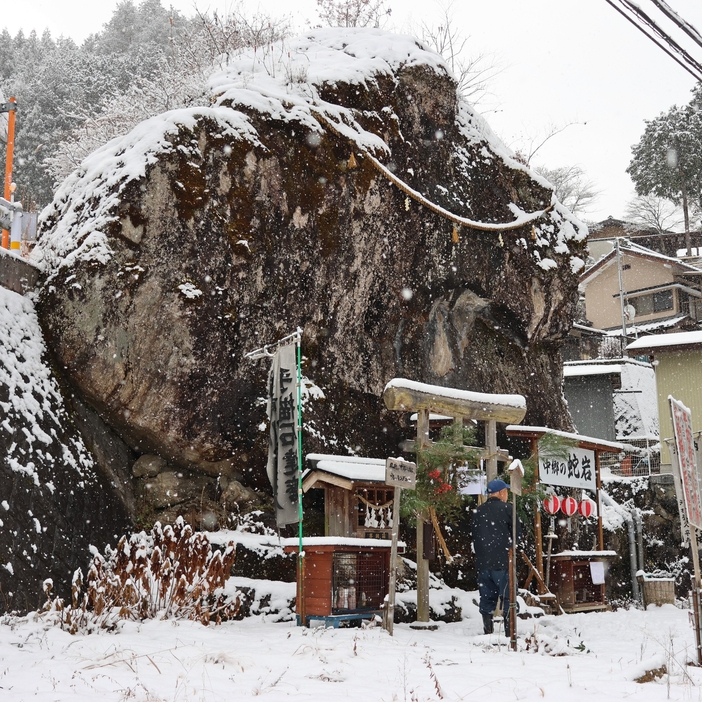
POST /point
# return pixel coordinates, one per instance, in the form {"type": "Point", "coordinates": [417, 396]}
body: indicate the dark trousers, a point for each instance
{"type": "Point", "coordinates": [493, 585]}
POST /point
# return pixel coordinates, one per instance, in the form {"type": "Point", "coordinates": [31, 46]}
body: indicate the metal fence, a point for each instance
{"type": "Point", "coordinates": [646, 460]}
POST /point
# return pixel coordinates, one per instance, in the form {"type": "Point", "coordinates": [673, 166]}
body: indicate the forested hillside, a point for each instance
{"type": "Point", "coordinates": [73, 98]}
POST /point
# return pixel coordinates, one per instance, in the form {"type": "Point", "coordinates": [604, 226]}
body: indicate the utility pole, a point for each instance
{"type": "Point", "coordinates": [9, 107]}
{"type": "Point", "coordinates": [621, 294]}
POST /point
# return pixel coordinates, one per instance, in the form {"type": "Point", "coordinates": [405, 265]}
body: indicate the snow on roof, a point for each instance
{"type": "Point", "coordinates": [665, 323]}
{"type": "Point", "coordinates": [339, 541]}
{"type": "Point", "coordinates": [637, 250]}
{"type": "Point", "coordinates": [587, 554]}
{"type": "Point", "coordinates": [614, 445]}
{"type": "Point", "coordinates": [660, 324]}
{"type": "Point", "coordinates": [656, 341]}
{"type": "Point", "coordinates": [584, 327]}
{"type": "Point", "coordinates": [351, 467]}
{"type": "Point", "coordinates": [643, 251]}
{"type": "Point", "coordinates": [591, 369]}
{"type": "Point", "coordinates": [456, 394]}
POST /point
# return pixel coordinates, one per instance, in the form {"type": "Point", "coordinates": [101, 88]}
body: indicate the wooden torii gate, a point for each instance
{"type": "Point", "coordinates": [405, 395]}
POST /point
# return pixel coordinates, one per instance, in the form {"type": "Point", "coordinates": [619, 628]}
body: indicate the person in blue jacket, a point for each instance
{"type": "Point", "coordinates": [492, 537]}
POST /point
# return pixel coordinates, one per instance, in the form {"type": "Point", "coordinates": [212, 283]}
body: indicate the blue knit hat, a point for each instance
{"type": "Point", "coordinates": [495, 486]}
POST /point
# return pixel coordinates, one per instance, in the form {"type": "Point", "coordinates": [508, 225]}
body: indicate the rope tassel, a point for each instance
{"type": "Point", "coordinates": [352, 161]}
{"type": "Point", "coordinates": [454, 235]}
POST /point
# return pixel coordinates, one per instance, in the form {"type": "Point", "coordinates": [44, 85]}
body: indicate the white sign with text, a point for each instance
{"type": "Point", "coordinates": [399, 473]}
{"type": "Point", "coordinates": [577, 470]}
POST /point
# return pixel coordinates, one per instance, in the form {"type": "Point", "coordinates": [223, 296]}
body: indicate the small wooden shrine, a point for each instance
{"type": "Point", "coordinates": [576, 578]}
{"type": "Point", "coordinates": [357, 502]}
{"type": "Point", "coordinates": [347, 571]}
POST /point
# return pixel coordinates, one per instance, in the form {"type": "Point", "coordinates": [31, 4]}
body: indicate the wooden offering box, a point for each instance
{"type": "Point", "coordinates": [577, 579]}
{"type": "Point", "coordinates": [345, 578]}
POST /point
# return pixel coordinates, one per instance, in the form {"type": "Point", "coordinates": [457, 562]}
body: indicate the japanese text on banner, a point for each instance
{"type": "Point", "coordinates": [282, 449]}
{"type": "Point", "coordinates": [577, 470]}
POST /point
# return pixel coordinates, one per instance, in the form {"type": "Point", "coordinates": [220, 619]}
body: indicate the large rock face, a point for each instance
{"type": "Point", "coordinates": [208, 232]}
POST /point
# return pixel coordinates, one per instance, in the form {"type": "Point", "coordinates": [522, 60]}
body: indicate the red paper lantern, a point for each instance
{"type": "Point", "coordinates": [586, 508]}
{"type": "Point", "coordinates": [552, 504]}
{"type": "Point", "coordinates": [569, 506]}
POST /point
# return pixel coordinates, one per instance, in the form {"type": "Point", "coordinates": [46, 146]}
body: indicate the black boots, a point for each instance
{"type": "Point", "coordinates": [487, 624]}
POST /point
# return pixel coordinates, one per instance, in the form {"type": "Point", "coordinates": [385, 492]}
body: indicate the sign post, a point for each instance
{"type": "Point", "coordinates": [400, 474]}
{"type": "Point", "coordinates": [684, 464]}
{"type": "Point", "coordinates": [516, 475]}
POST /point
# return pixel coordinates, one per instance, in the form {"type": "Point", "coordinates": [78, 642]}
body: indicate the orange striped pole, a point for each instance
{"type": "Point", "coordinates": [10, 108]}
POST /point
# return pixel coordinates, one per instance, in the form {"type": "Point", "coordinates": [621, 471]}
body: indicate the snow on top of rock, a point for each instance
{"type": "Point", "coordinates": [288, 70]}
{"type": "Point", "coordinates": [96, 186]}
{"type": "Point", "coordinates": [281, 81]}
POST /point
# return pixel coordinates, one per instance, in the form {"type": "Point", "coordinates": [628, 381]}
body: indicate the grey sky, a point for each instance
{"type": "Point", "coordinates": [562, 61]}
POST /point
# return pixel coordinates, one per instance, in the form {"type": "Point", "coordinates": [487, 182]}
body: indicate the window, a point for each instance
{"type": "Point", "coordinates": [643, 305]}
{"type": "Point", "coordinates": [663, 300]}
{"type": "Point", "coordinates": [656, 302]}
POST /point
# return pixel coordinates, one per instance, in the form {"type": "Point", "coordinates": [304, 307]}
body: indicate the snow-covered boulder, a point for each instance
{"type": "Point", "coordinates": [335, 183]}
{"type": "Point", "coordinates": [54, 503]}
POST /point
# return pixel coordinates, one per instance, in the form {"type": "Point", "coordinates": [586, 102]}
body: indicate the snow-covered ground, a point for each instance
{"type": "Point", "coordinates": [595, 656]}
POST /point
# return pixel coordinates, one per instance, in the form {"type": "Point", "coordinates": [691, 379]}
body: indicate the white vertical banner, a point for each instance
{"type": "Point", "coordinates": [687, 460]}
{"type": "Point", "coordinates": [282, 465]}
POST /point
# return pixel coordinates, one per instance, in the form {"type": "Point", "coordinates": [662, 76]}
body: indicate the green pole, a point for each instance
{"type": "Point", "coordinates": [300, 557]}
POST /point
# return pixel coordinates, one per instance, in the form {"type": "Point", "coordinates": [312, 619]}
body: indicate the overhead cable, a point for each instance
{"type": "Point", "coordinates": [647, 26]}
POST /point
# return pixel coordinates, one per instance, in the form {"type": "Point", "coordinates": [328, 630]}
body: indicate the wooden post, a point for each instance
{"type": "Point", "coordinates": [390, 608]}
{"type": "Point", "coordinates": [458, 431]}
{"type": "Point", "coordinates": [600, 530]}
{"type": "Point", "coordinates": [538, 534]}
{"type": "Point", "coordinates": [692, 534]}
{"type": "Point", "coordinates": [491, 444]}
{"type": "Point", "coordinates": [422, 429]}
{"type": "Point", "coordinates": [300, 604]}
{"type": "Point", "coordinates": [422, 573]}
{"type": "Point", "coordinates": [422, 563]}
{"type": "Point", "coordinates": [696, 591]}
{"type": "Point", "coordinates": [512, 563]}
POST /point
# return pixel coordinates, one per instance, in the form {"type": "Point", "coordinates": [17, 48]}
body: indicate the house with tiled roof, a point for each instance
{"type": "Point", "coordinates": [642, 290]}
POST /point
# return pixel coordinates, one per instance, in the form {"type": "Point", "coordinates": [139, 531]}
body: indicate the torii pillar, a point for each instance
{"type": "Point", "coordinates": [410, 396]}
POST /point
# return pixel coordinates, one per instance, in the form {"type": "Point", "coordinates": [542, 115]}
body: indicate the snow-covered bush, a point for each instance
{"type": "Point", "coordinates": [171, 572]}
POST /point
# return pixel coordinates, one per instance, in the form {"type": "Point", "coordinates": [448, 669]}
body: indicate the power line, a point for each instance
{"type": "Point", "coordinates": [673, 16]}
{"type": "Point", "coordinates": [647, 26]}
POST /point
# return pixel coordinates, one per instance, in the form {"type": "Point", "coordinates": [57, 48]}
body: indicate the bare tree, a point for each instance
{"type": "Point", "coordinates": [352, 13]}
{"type": "Point", "coordinates": [655, 212]}
{"type": "Point", "coordinates": [473, 73]}
{"type": "Point", "coordinates": [571, 186]}
{"type": "Point", "coordinates": [181, 81]}
{"type": "Point", "coordinates": [532, 144]}
{"type": "Point", "coordinates": [216, 37]}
